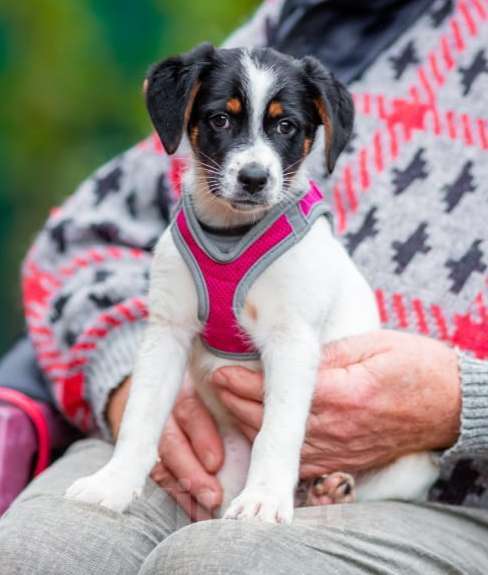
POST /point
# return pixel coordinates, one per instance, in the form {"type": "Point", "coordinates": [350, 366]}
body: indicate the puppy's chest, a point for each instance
{"type": "Point", "coordinates": [249, 285]}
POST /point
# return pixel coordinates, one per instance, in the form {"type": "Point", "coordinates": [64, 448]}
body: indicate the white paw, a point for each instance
{"type": "Point", "coordinates": [105, 487]}
{"type": "Point", "coordinates": [262, 504]}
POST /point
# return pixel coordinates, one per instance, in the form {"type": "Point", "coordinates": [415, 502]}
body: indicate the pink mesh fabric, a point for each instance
{"type": "Point", "coordinates": [313, 197]}
{"type": "Point", "coordinates": [222, 331]}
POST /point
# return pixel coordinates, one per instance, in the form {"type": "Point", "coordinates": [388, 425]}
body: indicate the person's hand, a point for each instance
{"type": "Point", "coordinates": [379, 396]}
{"type": "Point", "coordinates": [190, 451]}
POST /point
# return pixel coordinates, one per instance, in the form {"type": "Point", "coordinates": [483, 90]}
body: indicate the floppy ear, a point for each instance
{"type": "Point", "coordinates": [171, 87]}
{"type": "Point", "coordinates": [334, 106]}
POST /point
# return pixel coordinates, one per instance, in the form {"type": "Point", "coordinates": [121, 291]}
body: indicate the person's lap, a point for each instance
{"type": "Point", "coordinates": [44, 533]}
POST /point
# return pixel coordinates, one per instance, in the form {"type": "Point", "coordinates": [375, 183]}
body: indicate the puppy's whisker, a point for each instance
{"type": "Point", "coordinates": [209, 159]}
{"type": "Point", "coordinates": [209, 168]}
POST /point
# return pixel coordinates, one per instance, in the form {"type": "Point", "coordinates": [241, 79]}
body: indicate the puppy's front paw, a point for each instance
{"type": "Point", "coordinates": [106, 488]}
{"type": "Point", "coordinates": [262, 504]}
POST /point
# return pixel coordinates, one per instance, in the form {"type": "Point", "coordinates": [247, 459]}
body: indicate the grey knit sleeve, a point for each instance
{"type": "Point", "coordinates": [473, 437]}
{"type": "Point", "coordinates": [86, 277]}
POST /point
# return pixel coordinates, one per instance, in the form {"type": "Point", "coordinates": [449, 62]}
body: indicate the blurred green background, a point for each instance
{"type": "Point", "coordinates": [71, 73]}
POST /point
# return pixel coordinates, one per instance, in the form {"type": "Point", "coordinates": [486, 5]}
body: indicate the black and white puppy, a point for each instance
{"type": "Point", "coordinates": [251, 117]}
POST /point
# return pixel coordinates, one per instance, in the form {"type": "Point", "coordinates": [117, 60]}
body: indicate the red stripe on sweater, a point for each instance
{"type": "Point", "coordinates": [467, 133]}
{"type": "Point", "coordinates": [141, 306]}
{"type": "Point", "coordinates": [458, 38]}
{"type": "Point", "coordinates": [393, 141]}
{"type": "Point", "coordinates": [451, 127]}
{"type": "Point", "coordinates": [426, 84]}
{"type": "Point", "coordinates": [125, 311]}
{"type": "Point", "coordinates": [367, 103]}
{"type": "Point", "coordinates": [401, 312]}
{"type": "Point", "coordinates": [480, 9]}
{"type": "Point", "coordinates": [363, 169]}
{"type": "Point", "coordinates": [440, 322]}
{"type": "Point", "coordinates": [65, 366]}
{"type": "Point", "coordinates": [483, 132]}
{"type": "Point", "coordinates": [349, 187]}
{"type": "Point", "coordinates": [339, 208]}
{"type": "Point", "coordinates": [380, 300]}
{"type": "Point", "coordinates": [418, 308]}
{"type": "Point", "coordinates": [439, 78]}
{"type": "Point", "coordinates": [446, 53]}
{"type": "Point", "coordinates": [378, 152]}
{"type": "Point", "coordinates": [470, 23]}
{"type": "Point", "coordinates": [381, 106]}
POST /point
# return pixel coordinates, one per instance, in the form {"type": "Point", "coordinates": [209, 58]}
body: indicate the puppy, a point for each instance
{"type": "Point", "coordinates": [248, 273]}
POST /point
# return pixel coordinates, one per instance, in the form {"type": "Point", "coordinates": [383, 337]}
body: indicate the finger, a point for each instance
{"type": "Point", "coordinates": [248, 431]}
{"type": "Point", "coordinates": [247, 412]}
{"type": "Point", "coordinates": [199, 426]}
{"type": "Point", "coordinates": [241, 381]}
{"type": "Point", "coordinates": [184, 498]}
{"type": "Point", "coordinates": [178, 456]}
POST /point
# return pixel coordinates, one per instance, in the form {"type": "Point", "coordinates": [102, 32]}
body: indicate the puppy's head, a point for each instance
{"type": "Point", "coordinates": [251, 117]}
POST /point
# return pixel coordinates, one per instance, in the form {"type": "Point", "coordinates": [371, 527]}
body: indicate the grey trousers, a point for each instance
{"type": "Point", "coordinates": [45, 534]}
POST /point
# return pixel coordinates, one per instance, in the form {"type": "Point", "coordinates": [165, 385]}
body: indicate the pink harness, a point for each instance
{"type": "Point", "coordinates": [223, 278]}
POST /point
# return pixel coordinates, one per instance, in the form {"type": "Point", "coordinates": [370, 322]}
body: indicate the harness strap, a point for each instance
{"type": "Point", "coordinates": [223, 279]}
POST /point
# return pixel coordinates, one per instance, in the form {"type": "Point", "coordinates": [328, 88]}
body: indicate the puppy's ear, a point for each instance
{"type": "Point", "coordinates": [170, 88]}
{"type": "Point", "coordinates": [334, 106]}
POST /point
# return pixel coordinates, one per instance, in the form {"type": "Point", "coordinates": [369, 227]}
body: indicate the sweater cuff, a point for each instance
{"type": "Point", "coordinates": [111, 362]}
{"type": "Point", "coordinates": [473, 437]}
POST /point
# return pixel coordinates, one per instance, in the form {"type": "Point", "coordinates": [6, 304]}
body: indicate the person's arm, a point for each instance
{"type": "Point", "coordinates": [472, 441]}
{"type": "Point", "coordinates": [85, 279]}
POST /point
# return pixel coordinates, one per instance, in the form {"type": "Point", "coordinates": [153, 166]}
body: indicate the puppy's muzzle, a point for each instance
{"type": "Point", "coordinates": [253, 178]}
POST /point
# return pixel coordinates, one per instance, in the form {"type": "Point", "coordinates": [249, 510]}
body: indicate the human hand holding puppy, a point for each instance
{"type": "Point", "coordinates": [378, 397]}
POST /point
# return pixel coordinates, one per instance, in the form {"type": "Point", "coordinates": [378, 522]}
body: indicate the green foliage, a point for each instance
{"type": "Point", "coordinates": [70, 77]}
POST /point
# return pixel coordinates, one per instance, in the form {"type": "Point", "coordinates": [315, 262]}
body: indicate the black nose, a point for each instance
{"type": "Point", "coordinates": [253, 177]}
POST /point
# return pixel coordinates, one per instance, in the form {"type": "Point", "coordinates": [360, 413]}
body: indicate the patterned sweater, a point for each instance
{"type": "Point", "coordinates": [410, 201]}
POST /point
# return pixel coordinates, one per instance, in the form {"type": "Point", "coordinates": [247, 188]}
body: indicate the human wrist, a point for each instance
{"type": "Point", "coordinates": [448, 422]}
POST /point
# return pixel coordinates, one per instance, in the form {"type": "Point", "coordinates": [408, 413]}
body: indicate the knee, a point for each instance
{"type": "Point", "coordinates": [21, 550]}
{"type": "Point", "coordinates": [217, 546]}
{"type": "Point", "coordinates": [49, 535]}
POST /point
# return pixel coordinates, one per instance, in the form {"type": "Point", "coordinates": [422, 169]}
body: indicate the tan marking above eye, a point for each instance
{"type": "Point", "coordinates": [234, 106]}
{"type": "Point", "coordinates": [275, 109]}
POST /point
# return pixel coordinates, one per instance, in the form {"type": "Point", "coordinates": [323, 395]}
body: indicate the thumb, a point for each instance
{"type": "Point", "coordinates": [350, 350]}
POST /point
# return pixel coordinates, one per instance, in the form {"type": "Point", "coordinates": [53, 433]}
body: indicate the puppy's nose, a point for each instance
{"type": "Point", "coordinates": [253, 177]}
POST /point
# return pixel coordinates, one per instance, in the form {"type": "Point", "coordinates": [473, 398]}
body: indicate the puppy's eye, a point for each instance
{"type": "Point", "coordinates": [220, 121]}
{"type": "Point", "coordinates": [285, 128]}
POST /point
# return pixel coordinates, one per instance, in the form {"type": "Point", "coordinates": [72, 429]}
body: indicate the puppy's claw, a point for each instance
{"type": "Point", "coordinates": [262, 505]}
{"type": "Point", "coordinates": [334, 488]}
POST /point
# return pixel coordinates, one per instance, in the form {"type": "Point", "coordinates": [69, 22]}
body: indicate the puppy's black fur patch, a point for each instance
{"type": "Point", "coordinates": [204, 92]}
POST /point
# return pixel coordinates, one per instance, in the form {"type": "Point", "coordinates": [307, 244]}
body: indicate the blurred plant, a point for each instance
{"type": "Point", "coordinates": [70, 78]}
